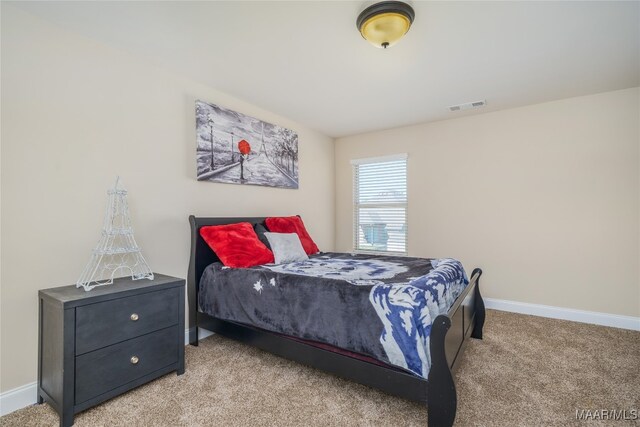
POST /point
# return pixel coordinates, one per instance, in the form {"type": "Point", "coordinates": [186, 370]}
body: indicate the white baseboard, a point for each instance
{"type": "Point", "coordinates": [18, 398]}
{"type": "Point", "coordinates": [21, 397]}
{"type": "Point", "coordinates": [202, 334]}
{"type": "Point", "coordinates": [583, 316]}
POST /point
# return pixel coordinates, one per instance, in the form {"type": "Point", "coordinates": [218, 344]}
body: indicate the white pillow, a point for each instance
{"type": "Point", "coordinates": [286, 247]}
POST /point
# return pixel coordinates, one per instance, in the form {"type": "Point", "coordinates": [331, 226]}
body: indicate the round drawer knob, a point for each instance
{"type": "Point", "coordinates": [134, 360]}
{"type": "Point", "coordinates": [134, 317]}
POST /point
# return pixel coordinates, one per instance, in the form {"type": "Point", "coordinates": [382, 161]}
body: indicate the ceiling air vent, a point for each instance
{"type": "Point", "coordinates": [474, 104]}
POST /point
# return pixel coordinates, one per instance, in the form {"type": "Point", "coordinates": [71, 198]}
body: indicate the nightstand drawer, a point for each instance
{"type": "Point", "coordinates": [108, 368]}
{"type": "Point", "coordinates": [105, 323]}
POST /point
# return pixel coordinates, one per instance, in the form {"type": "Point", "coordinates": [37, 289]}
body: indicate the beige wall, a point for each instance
{"type": "Point", "coordinates": [76, 113]}
{"type": "Point", "coordinates": [544, 198]}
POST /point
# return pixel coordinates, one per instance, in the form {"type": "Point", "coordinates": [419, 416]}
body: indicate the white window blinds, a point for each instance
{"type": "Point", "coordinates": [380, 204]}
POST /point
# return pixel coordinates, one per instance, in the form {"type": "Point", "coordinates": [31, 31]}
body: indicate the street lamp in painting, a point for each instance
{"type": "Point", "coordinates": [244, 148]}
{"type": "Point", "coordinates": [211, 123]}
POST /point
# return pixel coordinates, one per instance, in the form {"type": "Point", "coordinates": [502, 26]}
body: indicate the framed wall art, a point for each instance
{"type": "Point", "coordinates": [235, 148]}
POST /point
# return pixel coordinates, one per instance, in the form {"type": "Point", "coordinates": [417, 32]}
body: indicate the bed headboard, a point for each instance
{"type": "Point", "coordinates": [202, 256]}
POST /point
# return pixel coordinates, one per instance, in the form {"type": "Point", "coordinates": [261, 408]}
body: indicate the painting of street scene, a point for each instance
{"type": "Point", "coordinates": [238, 149]}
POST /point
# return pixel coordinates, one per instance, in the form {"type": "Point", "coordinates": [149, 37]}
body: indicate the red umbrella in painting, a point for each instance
{"type": "Point", "coordinates": [245, 148]}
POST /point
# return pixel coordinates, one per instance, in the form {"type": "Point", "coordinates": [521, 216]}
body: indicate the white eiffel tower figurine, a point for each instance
{"type": "Point", "coordinates": [117, 249]}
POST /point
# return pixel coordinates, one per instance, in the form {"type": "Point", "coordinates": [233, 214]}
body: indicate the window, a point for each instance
{"type": "Point", "coordinates": [380, 204]}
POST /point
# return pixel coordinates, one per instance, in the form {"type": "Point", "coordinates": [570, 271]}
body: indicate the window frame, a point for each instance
{"type": "Point", "coordinates": [355, 163]}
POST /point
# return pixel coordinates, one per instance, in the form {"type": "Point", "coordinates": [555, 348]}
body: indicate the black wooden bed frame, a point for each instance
{"type": "Point", "coordinates": [449, 334]}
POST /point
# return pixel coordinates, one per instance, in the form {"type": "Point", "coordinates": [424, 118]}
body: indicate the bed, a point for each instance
{"type": "Point", "coordinates": [223, 301]}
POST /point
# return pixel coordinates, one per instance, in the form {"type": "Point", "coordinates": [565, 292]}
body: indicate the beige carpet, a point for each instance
{"type": "Point", "coordinates": [528, 371]}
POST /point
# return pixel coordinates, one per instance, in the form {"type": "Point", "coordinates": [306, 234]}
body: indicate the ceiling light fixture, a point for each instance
{"type": "Point", "coordinates": [383, 24]}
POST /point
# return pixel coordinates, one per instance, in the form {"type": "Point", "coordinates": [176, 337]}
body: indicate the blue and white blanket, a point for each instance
{"type": "Point", "coordinates": [379, 306]}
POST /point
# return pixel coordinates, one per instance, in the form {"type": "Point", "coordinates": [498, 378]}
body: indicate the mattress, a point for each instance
{"type": "Point", "coordinates": [380, 307]}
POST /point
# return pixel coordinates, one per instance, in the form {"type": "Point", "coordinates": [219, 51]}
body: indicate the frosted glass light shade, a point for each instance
{"type": "Point", "coordinates": [384, 24]}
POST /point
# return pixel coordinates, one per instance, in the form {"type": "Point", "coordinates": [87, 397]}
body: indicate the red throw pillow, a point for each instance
{"type": "Point", "coordinates": [293, 224]}
{"type": "Point", "coordinates": [237, 245]}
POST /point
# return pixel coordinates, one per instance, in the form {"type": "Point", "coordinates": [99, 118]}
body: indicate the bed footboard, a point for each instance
{"type": "Point", "coordinates": [449, 335]}
{"type": "Point", "coordinates": [442, 400]}
{"type": "Point", "coordinates": [479, 308]}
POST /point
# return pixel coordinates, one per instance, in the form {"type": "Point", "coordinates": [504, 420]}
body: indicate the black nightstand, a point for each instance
{"type": "Point", "coordinates": [96, 345]}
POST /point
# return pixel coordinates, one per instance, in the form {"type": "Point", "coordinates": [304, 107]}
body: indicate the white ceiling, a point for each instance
{"type": "Point", "coordinates": [306, 61]}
